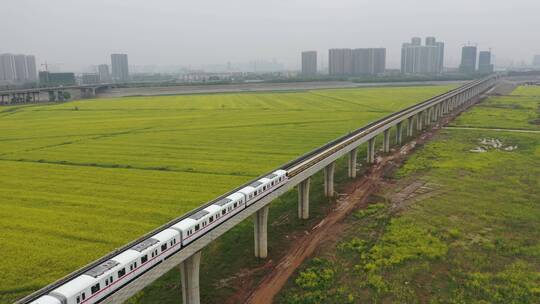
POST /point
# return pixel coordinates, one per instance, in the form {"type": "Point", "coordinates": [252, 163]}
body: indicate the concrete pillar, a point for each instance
{"type": "Point", "coordinates": [428, 116]}
{"type": "Point", "coordinates": [303, 199]}
{"type": "Point", "coordinates": [189, 273]}
{"type": "Point", "coordinates": [371, 151]}
{"type": "Point", "coordinates": [399, 133]}
{"type": "Point", "coordinates": [435, 113]}
{"type": "Point", "coordinates": [260, 221]}
{"type": "Point", "coordinates": [386, 141]}
{"type": "Point", "coordinates": [329, 178]}
{"type": "Point", "coordinates": [419, 120]}
{"type": "Point", "coordinates": [410, 126]}
{"type": "Point", "coordinates": [352, 162]}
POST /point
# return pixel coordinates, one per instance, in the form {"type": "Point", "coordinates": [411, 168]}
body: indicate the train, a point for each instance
{"type": "Point", "coordinates": [100, 281]}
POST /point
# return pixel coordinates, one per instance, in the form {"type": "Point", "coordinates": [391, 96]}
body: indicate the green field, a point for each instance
{"type": "Point", "coordinates": [82, 178]}
{"type": "Point", "coordinates": [470, 236]}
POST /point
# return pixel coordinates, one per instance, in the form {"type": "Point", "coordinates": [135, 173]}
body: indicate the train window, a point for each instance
{"type": "Point", "coordinates": [130, 267]}
{"type": "Point", "coordinates": [121, 272]}
{"type": "Point", "coordinates": [223, 211]}
{"type": "Point", "coordinates": [235, 204]}
{"type": "Point", "coordinates": [163, 247]}
{"type": "Point", "coordinates": [83, 296]}
{"type": "Point", "coordinates": [95, 288]}
{"type": "Point", "coordinates": [107, 282]}
{"type": "Point", "coordinates": [135, 265]}
{"type": "Point", "coordinates": [197, 227]}
{"type": "Point", "coordinates": [144, 258]}
{"type": "Point", "coordinates": [78, 300]}
{"type": "Point", "coordinates": [211, 219]}
{"type": "Point", "coordinates": [111, 279]}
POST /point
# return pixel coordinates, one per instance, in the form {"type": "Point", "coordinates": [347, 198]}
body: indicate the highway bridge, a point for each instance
{"type": "Point", "coordinates": [32, 95]}
{"type": "Point", "coordinates": [406, 122]}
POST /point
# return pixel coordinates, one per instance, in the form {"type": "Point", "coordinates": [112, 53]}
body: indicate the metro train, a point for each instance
{"type": "Point", "coordinates": [102, 280]}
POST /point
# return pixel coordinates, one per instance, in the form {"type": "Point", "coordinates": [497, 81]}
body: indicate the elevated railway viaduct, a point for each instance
{"type": "Point", "coordinates": [300, 171]}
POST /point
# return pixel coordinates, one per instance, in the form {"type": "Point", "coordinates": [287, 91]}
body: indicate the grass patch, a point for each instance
{"type": "Point", "coordinates": [475, 241]}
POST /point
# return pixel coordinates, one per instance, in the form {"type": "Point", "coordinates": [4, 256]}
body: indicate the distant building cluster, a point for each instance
{"type": "Point", "coordinates": [17, 69]}
{"type": "Point", "coordinates": [469, 56]}
{"type": "Point", "coordinates": [422, 59]}
{"type": "Point", "coordinates": [356, 62]}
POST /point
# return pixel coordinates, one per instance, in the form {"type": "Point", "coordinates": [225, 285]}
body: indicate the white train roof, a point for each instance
{"type": "Point", "coordinates": [126, 257]}
{"type": "Point", "coordinates": [185, 224]}
{"type": "Point", "coordinates": [280, 172]}
{"type": "Point", "coordinates": [46, 300]}
{"type": "Point", "coordinates": [213, 208]}
{"type": "Point", "coordinates": [247, 190]}
{"type": "Point", "coordinates": [76, 285]}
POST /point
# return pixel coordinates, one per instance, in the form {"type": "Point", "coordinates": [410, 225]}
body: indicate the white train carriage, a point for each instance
{"type": "Point", "coordinates": [155, 249]}
{"type": "Point", "coordinates": [100, 281]}
{"type": "Point", "coordinates": [261, 187]}
{"type": "Point", "coordinates": [196, 224]}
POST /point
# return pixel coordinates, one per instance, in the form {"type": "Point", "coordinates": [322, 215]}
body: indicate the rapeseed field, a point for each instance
{"type": "Point", "coordinates": [82, 178]}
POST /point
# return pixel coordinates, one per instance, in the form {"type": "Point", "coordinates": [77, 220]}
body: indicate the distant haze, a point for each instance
{"type": "Point", "coordinates": [80, 33]}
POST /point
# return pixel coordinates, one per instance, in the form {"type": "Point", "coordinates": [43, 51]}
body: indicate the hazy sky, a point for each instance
{"type": "Point", "coordinates": [79, 33]}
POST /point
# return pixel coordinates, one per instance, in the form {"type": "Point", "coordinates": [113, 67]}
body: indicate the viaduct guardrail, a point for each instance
{"type": "Point", "coordinates": [299, 172]}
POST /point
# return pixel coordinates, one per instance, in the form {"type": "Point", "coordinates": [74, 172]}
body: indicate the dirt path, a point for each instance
{"type": "Point", "coordinates": [357, 194]}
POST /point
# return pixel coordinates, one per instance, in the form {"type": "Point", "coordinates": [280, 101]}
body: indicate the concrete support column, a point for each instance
{"type": "Point", "coordinates": [260, 221]}
{"type": "Point", "coordinates": [189, 272]}
{"type": "Point", "coordinates": [399, 133]}
{"type": "Point", "coordinates": [410, 126]}
{"type": "Point", "coordinates": [371, 151]}
{"type": "Point", "coordinates": [303, 199]}
{"type": "Point", "coordinates": [352, 162]}
{"type": "Point", "coordinates": [434, 115]}
{"type": "Point", "coordinates": [419, 120]}
{"type": "Point", "coordinates": [329, 178]}
{"type": "Point", "coordinates": [386, 141]}
{"type": "Point", "coordinates": [428, 116]}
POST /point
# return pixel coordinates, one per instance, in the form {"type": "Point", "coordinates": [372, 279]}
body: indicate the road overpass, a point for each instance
{"type": "Point", "coordinates": [32, 95]}
{"type": "Point", "coordinates": [300, 171]}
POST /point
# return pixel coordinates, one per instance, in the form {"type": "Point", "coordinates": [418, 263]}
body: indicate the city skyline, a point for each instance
{"type": "Point", "coordinates": [196, 36]}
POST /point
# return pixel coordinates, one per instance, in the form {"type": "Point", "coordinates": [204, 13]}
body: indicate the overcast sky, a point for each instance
{"type": "Point", "coordinates": [79, 33]}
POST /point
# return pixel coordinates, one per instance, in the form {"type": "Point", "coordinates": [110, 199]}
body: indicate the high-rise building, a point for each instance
{"type": "Point", "coordinates": [419, 59]}
{"type": "Point", "coordinates": [340, 62]}
{"type": "Point", "coordinates": [104, 75]}
{"type": "Point", "coordinates": [365, 61]}
{"type": "Point", "coordinates": [536, 60]}
{"type": "Point", "coordinates": [21, 72]}
{"type": "Point", "coordinates": [371, 61]}
{"type": "Point", "coordinates": [309, 62]}
{"type": "Point", "coordinates": [7, 68]}
{"type": "Point", "coordinates": [120, 67]}
{"type": "Point", "coordinates": [31, 70]}
{"type": "Point", "coordinates": [484, 62]}
{"type": "Point", "coordinates": [468, 59]}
